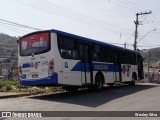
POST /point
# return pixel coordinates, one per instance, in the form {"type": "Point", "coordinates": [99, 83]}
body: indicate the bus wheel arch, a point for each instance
{"type": "Point", "coordinates": [99, 81]}
{"type": "Point", "coordinates": [134, 74]}
{"type": "Point", "coordinates": [134, 78]}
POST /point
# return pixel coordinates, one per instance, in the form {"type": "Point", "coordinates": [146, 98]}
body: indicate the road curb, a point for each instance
{"type": "Point", "coordinates": [18, 95]}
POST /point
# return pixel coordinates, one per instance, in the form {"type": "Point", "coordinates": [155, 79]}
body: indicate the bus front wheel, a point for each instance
{"type": "Point", "coordinates": [99, 83]}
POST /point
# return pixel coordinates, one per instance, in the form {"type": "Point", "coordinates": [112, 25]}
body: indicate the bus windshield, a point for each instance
{"type": "Point", "coordinates": [34, 44]}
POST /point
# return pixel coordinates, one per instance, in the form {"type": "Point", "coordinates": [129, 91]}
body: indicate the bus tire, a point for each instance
{"type": "Point", "coordinates": [132, 83]}
{"type": "Point", "coordinates": [99, 82]}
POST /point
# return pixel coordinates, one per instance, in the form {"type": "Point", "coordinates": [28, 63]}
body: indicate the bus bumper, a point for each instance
{"type": "Point", "coordinates": [53, 80]}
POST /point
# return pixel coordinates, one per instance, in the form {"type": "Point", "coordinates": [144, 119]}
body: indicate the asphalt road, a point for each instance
{"type": "Point", "coordinates": [141, 97]}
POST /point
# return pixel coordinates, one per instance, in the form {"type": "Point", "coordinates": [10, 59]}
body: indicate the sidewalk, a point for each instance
{"type": "Point", "coordinates": [4, 95]}
{"type": "Point", "coordinates": [10, 94]}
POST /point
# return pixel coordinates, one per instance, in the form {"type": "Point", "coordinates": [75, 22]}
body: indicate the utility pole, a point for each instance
{"type": "Point", "coordinates": [148, 65]}
{"type": "Point", "coordinates": [125, 45]}
{"type": "Point", "coordinates": [136, 30]}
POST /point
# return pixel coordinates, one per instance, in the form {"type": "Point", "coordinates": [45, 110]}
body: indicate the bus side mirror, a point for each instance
{"type": "Point", "coordinates": [17, 41]}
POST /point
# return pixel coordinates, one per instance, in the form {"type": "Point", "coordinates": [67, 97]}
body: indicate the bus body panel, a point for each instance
{"type": "Point", "coordinates": [72, 73]}
{"type": "Point", "coordinates": [35, 69]}
{"type": "Point", "coordinates": [58, 66]}
{"type": "Point", "coordinates": [116, 77]}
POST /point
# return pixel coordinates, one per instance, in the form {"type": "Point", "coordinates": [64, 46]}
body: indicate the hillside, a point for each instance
{"type": "Point", "coordinates": [8, 55]}
{"type": "Point", "coordinates": [154, 54]}
{"type": "Point", "coordinates": [7, 43]}
{"type": "Point", "coordinates": [6, 40]}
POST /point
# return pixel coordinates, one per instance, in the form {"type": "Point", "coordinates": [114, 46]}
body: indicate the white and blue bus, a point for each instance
{"type": "Point", "coordinates": [50, 58]}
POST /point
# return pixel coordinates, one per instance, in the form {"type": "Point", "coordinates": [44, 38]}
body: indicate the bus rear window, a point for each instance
{"type": "Point", "coordinates": [36, 43]}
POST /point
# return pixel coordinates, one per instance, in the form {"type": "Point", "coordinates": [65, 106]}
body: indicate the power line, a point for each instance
{"type": "Point", "coordinates": [146, 35]}
{"type": "Point", "coordinates": [76, 17]}
{"type": "Point", "coordinates": [45, 9]}
{"type": "Point", "coordinates": [131, 6]}
{"type": "Point", "coordinates": [78, 14]}
{"type": "Point", "coordinates": [157, 26]}
{"type": "Point", "coordinates": [136, 6]}
{"type": "Point", "coordinates": [61, 11]}
{"type": "Point", "coordinates": [19, 25]}
{"type": "Point", "coordinates": [8, 24]}
{"type": "Point", "coordinates": [122, 5]}
{"type": "Point", "coordinates": [153, 26]}
{"type": "Point", "coordinates": [130, 37]}
{"type": "Point", "coordinates": [12, 28]}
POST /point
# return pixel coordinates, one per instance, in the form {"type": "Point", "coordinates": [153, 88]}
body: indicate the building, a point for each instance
{"type": "Point", "coordinates": [6, 72]}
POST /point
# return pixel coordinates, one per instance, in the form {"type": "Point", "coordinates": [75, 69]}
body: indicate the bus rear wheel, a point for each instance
{"type": "Point", "coordinates": [133, 80]}
{"type": "Point", "coordinates": [99, 83]}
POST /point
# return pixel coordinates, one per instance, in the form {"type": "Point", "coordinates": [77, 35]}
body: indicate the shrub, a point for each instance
{"type": "Point", "coordinates": [7, 84]}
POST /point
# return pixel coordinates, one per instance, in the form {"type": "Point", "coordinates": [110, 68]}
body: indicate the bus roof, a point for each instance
{"type": "Point", "coordinates": [82, 38]}
{"type": "Point", "coordinates": [90, 40]}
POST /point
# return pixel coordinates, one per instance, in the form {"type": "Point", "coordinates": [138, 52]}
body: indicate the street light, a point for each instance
{"type": "Point", "coordinates": [146, 35]}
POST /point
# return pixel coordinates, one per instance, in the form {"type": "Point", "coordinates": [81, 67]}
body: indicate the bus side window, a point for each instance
{"type": "Point", "coordinates": [106, 55]}
{"type": "Point", "coordinates": [97, 54]}
{"type": "Point", "coordinates": [81, 52]}
{"type": "Point", "coordinates": [68, 43]}
{"type": "Point", "coordinates": [68, 48]}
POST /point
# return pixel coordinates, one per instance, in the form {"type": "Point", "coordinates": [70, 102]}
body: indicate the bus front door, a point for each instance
{"type": "Point", "coordinates": [85, 63]}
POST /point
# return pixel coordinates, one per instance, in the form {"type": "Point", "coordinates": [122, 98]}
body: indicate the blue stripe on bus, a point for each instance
{"type": "Point", "coordinates": [53, 80]}
{"type": "Point", "coordinates": [77, 67]}
{"type": "Point", "coordinates": [26, 65]}
{"type": "Point", "coordinates": [96, 67]}
{"type": "Point", "coordinates": [80, 66]}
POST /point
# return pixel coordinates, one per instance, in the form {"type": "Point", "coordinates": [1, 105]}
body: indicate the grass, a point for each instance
{"type": "Point", "coordinates": [12, 85]}
{"type": "Point", "coordinates": [7, 84]}
{"type": "Point", "coordinates": [15, 86]}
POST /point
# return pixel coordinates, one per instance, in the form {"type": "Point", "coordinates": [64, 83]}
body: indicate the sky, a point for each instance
{"type": "Point", "coordinates": [110, 21]}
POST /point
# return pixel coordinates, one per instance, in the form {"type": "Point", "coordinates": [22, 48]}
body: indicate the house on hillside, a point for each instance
{"type": "Point", "coordinates": [6, 70]}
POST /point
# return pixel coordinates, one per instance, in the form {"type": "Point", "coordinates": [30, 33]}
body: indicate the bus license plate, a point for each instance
{"type": "Point", "coordinates": [35, 76]}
